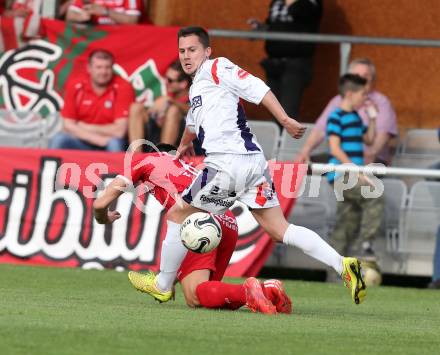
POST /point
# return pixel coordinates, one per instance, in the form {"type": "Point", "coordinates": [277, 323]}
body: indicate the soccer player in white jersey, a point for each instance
{"type": "Point", "coordinates": [235, 165]}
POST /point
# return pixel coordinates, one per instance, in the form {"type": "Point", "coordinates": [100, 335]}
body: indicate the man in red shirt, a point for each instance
{"type": "Point", "coordinates": [105, 12]}
{"type": "Point", "coordinates": [164, 121]}
{"type": "Point", "coordinates": [96, 108]}
{"type": "Point", "coordinates": [199, 274]}
{"type": "Point", "coordinates": [23, 8]}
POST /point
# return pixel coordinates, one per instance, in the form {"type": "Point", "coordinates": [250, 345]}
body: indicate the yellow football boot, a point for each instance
{"type": "Point", "coordinates": [147, 283]}
{"type": "Point", "coordinates": [352, 277]}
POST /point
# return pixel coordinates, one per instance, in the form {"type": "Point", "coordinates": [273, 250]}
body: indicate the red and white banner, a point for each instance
{"type": "Point", "coordinates": [33, 76]}
{"type": "Point", "coordinates": [46, 214]}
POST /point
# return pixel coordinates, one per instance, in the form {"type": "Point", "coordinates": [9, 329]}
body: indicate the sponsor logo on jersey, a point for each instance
{"type": "Point", "coordinates": [215, 190]}
{"type": "Point", "coordinates": [196, 102]}
{"type": "Point", "coordinates": [216, 201]}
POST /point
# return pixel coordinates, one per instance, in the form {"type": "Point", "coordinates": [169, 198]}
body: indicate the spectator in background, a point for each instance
{"type": "Point", "coordinates": [346, 134]}
{"type": "Point", "coordinates": [23, 8]}
{"type": "Point", "coordinates": [105, 12]}
{"type": "Point", "coordinates": [95, 109]}
{"type": "Point", "coordinates": [62, 9]}
{"type": "Point", "coordinates": [289, 65]}
{"type": "Point", "coordinates": [164, 121]}
{"type": "Point", "coordinates": [376, 106]}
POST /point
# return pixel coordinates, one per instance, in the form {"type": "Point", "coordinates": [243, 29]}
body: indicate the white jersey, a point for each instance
{"type": "Point", "coordinates": [216, 113]}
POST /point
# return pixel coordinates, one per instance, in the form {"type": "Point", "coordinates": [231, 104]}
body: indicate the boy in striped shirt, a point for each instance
{"type": "Point", "coordinates": [347, 134]}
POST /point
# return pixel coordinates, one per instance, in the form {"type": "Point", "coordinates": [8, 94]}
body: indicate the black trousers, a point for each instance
{"type": "Point", "coordinates": [288, 78]}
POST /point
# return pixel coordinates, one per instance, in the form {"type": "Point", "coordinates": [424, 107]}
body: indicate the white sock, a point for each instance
{"type": "Point", "coordinates": [312, 244]}
{"type": "Point", "coordinates": [172, 254]}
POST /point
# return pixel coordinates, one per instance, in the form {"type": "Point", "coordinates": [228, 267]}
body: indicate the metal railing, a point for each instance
{"type": "Point", "coordinates": [376, 170]}
{"type": "Point", "coordinates": [345, 42]}
{"type": "Point", "coordinates": [324, 38]}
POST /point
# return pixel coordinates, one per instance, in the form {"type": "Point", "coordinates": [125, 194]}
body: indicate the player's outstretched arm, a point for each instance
{"type": "Point", "coordinates": [110, 194]}
{"type": "Point", "coordinates": [293, 127]}
{"type": "Point", "coordinates": [186, 145]}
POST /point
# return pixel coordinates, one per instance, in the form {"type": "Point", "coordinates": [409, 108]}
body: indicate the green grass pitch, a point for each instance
{"type": "Point", "coordinates": [73, 311]}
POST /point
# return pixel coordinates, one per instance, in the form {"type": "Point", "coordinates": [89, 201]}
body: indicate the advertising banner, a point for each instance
{"type": "Point", "coordinates": [46, 214]}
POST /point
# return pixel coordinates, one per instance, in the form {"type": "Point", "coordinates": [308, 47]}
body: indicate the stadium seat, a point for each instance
{"type": "Point", "coordinates": [395, 194]}
{"type": "Point", "coordinates": [414, 161]}
{"type": "Point", "coordinates": [419, 223]}
{"type": "Point", "coordinates": [421, 141]}
{"type": "Point", "coordinates": [421, 161]}
{"type": "Point", "coordinates": [53, 123]}
{"type": "Point", "coordinates": [27, 129]}
{"type": "Point", "coordinates": [21, 129]}
{"type": "Point", "coordinates": [268, 135]}
{"type": "Point", "coordinates": [290, 147]}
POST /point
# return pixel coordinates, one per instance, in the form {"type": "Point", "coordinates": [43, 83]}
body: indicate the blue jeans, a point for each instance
{"type": "Point", "coordinates": [436, 259]}
{"type": "Point", "coordinates": [64, 140]}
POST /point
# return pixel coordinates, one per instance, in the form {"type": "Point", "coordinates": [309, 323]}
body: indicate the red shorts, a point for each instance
{"type": "Point", "coordinates": [217, 260]}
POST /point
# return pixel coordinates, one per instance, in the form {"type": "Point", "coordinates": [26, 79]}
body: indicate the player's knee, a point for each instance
{"type": "Point", "coordinates": [176, 214]}
{"type": "Point", "coordinates": [192, 302]}
{"type": "Point", "coordinates": [172, 213]}
{"type": "Point", "coordinates": [275, 232]}
{"type": "Point", "coordinates": [191, 298]}
{"type": "Point", "coordinates": [276, 236]}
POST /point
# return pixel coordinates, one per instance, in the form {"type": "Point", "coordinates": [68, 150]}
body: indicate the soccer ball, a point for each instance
{"type": "Point", "coordinates": [200, 232]}
{"type": "Point", "coordinates": [371, 273]}
{"type": "Point", "coordinates": [372, 277]}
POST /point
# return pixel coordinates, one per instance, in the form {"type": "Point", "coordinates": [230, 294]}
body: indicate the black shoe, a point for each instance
{"type": "Point", "coordinates": [434, 285]}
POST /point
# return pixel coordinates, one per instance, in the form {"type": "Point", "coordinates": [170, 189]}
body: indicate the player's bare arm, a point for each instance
{"type": "Point", "coordinates": [186, 145]}
{"type": "Point", "coordinates": [111, 193]}
{"type": "Point", "coordinates": [293, 127]}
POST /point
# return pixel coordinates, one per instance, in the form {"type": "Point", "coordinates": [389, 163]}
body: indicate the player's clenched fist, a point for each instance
{"type": "Point", "coordinates": [295, 129]}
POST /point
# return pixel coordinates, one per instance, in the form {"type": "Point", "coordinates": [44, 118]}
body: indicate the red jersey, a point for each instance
{"type": "Point", "coordinates": [83, 104]}
{"type": "Point", "coordinates": [163, 176]}
{"type": "Point", "coordinates": [129, 7]}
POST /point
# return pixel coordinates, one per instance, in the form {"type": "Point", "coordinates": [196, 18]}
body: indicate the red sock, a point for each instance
{"type": "Point", "coordinates": [216, 294]}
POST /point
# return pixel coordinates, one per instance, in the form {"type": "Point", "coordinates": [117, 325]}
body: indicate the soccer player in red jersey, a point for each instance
{"type": "Point", "coordinates": [199, 274]}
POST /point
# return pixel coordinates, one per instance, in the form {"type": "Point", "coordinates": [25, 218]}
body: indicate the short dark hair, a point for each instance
{"type": "Point", "coordinates": [165, 147]}
{"type": "Point", "coordinates": [177, 66]}
{"type": "Point", "coordinates": [101, 54]}
{"type": "Point", "coordinates": [200, 32]}
{"type": "Point", "coordinates": [350, 82]}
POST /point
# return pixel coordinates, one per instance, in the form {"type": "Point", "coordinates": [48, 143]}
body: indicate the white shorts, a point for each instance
{"type": "Point", "coordinates": [230, 177]}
